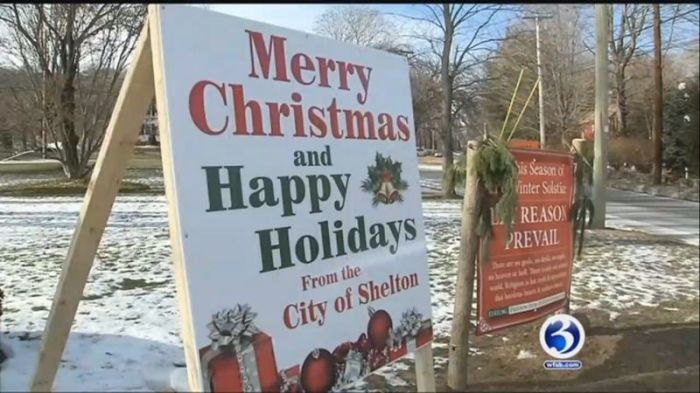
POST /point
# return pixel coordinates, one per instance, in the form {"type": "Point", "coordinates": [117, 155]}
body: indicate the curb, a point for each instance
{"type": "Point", "coordinates": [604, 384]}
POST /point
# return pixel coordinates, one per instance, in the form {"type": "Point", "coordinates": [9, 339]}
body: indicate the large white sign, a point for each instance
{"type": "Point", "coordinates": [294, 179]}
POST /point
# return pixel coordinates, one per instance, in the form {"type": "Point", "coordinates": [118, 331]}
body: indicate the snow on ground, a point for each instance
{"type": "Point", "coordinates": [128, 320]}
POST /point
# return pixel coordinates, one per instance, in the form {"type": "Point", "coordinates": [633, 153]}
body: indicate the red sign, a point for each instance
{"type": "Point", "coordinates": [524, 144]}
{"type": "Point", "coordinates": [530, 276]}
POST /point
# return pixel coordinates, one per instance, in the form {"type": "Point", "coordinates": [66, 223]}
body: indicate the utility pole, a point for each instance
{"type": "Point", "coordinates": [537, 18]}
{"type": "Point", "coordinates": [43, 85]}
{"type": "Point", "coordinates": [600, 159]}
{"type": "Point", "coordinates": [658, 99]}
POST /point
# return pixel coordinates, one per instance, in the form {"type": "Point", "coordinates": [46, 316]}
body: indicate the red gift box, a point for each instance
{"type": "Point", "coordinates": [289, 380]}
{"type": "Point", "coordinates": [227, 371]}
{"type": "Point", "coordinates": [410, 344]}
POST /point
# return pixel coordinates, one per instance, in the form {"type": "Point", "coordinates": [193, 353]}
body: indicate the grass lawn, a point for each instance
{"type": "Point", "coordinates": [145, 158]}
{"type": "Point", "coordinates": [66, 187]}
{"type": "Point", "coordinates": [430, 160]}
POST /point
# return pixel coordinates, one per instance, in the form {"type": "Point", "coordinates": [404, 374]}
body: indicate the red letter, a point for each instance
{"type": "Point", "coordinates": [354, 122]}
{"type": "Point", "coordinates": [197, 112]}
{"type": "Point", "coordinates": [334, 111]}
{"type": "Point", "coordinates": [343, 70]}
{"type": "Point", "coordinates": [288, 317]}
{"type": "Point", "coordinates": [298, 116]}
{"type": "Point", "coordinates": [297, 68]}
{"type": "Point", "coordinates": [319, 121]}
{"type": "Point", "coordinates": [324, 65]}
{"type": "Point", "coordinates": [404, 129]}
{"type": "Point", "coordinates": [276, 112]}
{"type": "Point", "coordinates": [386, 127]}
{"type": "Point", "coordinates": [239, 107]}
{"type": "Point", "coordinates": [263, 55]}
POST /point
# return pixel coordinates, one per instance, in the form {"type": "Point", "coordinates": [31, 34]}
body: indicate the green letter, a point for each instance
{"type": "Point", "coordinates": [214, 187]}
{"type": "Point", "coordinates": [266, 248]}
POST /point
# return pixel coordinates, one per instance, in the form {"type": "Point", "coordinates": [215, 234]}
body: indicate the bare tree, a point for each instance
{"type": "Point", "coordinates": [425, 89]}
{"type": "Point", "coordinates": [18, 121]}
{"type": "Point", "coordinates": [73, 56]}
{"type": "Point", "coordinates": [567, 72]}
{"type": "Point", "coordinates": [459, 36]}
{"type": "Point", "coordinates": [359, 25]}
{"type": "Point", "coordinates": [570, 71]}
{"type": "Point", "coordinates": [624, 44]}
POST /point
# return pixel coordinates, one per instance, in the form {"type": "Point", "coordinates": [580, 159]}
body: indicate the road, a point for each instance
{"type": "Point", "coordinates": [656, 215]}
{"type": "Point", "coordinates": [673, 218]}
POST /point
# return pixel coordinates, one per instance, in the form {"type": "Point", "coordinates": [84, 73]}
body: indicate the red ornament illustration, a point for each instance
{"type": "Point", "coordinates": [318, 373]}
{"type": "Point", "coordinates": [341, 351]}
{"type": "Point", "coordinates": [387, 176]}
{"type": "Point", "coordinates": [362, 344]}
{"type": "Point", "coordinates": [379, 328]}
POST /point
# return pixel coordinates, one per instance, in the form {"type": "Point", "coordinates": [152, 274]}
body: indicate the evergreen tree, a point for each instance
{"type": "Point", "coordinates": [680, 136]}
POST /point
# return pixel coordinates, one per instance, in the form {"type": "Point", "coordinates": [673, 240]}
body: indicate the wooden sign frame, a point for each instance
{"type": "Point", "coordinates": [143, 81]}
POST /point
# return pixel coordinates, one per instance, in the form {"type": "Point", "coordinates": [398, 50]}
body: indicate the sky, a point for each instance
{"type": "Point", "coordinates": [296, 16]}
{"type": "Point", "coordinates": [301, 16]}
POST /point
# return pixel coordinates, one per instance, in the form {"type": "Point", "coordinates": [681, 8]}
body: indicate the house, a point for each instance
{"type": "Point", "coordinates": [587, 126]}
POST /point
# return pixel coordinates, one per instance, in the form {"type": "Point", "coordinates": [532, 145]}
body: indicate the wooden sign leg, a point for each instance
{"type": "Point", "coordinates": [194, 369]}
{"type": "Point", "coordinates": [459, 338]}
{"type": "Point", "coordinates": [121, 135]}
{"type": "Point", "coordinates": [425, 373]}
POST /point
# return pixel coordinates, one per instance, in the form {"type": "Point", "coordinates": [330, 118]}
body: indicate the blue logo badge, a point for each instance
{"type": "Point", "coordinates": [562, 336]}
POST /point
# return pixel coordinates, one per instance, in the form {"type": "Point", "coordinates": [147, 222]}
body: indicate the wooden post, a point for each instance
{"type": "Point", "coordinates": [600, 159]}
{"type": "Point", "coordinates": [425, 373]}
{"type": "Point", "coordinates": [580, 146]}
{"type": "Point", "coordinates": [121, 135]}
{"type": "Point", "coordinates": [194, 370]}
{"type": "Point", "coordinates": [459, 340]}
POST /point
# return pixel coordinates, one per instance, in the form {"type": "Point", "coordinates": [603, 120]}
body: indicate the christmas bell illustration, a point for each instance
{"type": "Point", "coordinates": [387, 192]}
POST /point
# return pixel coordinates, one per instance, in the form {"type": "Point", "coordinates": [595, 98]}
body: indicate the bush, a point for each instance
{"type": "Point", "coordinates": [633, 151]}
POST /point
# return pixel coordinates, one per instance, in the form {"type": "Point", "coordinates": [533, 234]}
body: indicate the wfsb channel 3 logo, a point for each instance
{"type": "Point", "coordinates": [562, 337]}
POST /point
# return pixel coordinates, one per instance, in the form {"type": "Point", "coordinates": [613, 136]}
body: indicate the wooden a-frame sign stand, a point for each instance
{"type": "Point", "coordinates": [144, 79]}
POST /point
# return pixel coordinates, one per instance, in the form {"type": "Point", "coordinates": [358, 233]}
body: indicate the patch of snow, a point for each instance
{"type": "Point", "coordinates": [524, 354]}
{"type": "Point", "coordinates": [128, 321]}
{"type": "Point", "coordinates": [390, 374]}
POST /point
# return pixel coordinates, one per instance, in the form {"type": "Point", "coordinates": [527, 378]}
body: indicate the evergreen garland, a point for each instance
{"type": "Point", "coordinates": [497, 173]}
{"type": "Point", "coordinates": [497, 178]}
{"type": "Point", "coordinates": [384, 168]}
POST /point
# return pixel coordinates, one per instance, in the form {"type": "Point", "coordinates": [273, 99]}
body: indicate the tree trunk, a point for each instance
{"type": "Point", "coordinates": [658, 99]}
{"type": "Point", "coordinates": [6, 140]}
{"type": "Point", "coordinates": [621, 103]}
{"type": "Point", "coordinates": [73, 167]}
{"type": "Point", "coordinates": [448, 184]}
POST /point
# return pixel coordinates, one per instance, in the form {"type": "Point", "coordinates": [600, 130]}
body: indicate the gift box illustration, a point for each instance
{"type": "Point", "coordinates": [240, 356]}
{"type": "Point", "coordinates": [290, 380]}
{"type": "Point", "coordinates": [413, 332]}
